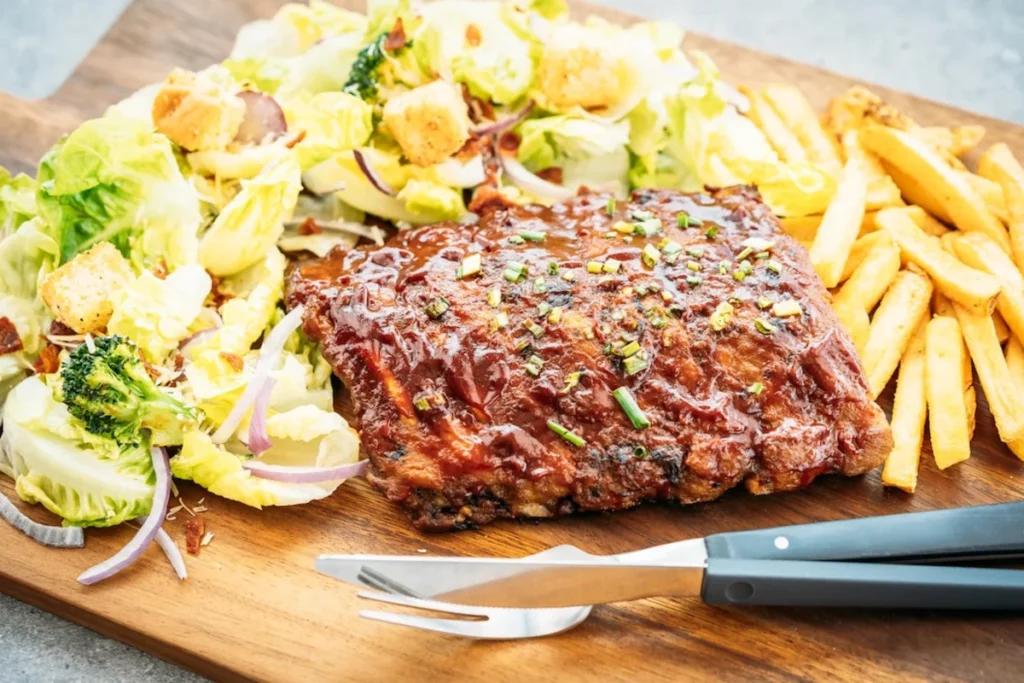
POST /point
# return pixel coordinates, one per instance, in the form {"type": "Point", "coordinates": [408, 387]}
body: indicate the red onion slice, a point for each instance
{"type": "Point", "coordinates": [532, 183]}
{"type": "Point", "coordinates": [505, 124]}
{"type": "Point", "coordinates": [172, 552]}
{"type": "Point", "coordinates": [259, 441]}
{"type": "Point", "coordinates": [263, 118]}
{"type": "Point", "coordinates": [371, 174]}
{"type": "Point", "coordinates": [195, 338]}
{"type": "Point", "coordinates": [306, 475]}
{"type": "Point", "coordinates": [146, 533]}
{"type": "Point", "coordinates": [53, 536]}
{"type": "Point", "coordinates": [273, 343]}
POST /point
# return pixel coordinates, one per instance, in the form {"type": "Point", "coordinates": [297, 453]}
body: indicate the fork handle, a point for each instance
{"type": "Point", "coordinates": [985, 531]}
{"type": "Point", "coordinates": [848, 584]}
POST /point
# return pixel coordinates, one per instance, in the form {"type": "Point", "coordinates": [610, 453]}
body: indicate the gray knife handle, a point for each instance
{"type": "Point", "coordinates": [850, 584]}
{"type": "Point", "coordinates": [986, 531]}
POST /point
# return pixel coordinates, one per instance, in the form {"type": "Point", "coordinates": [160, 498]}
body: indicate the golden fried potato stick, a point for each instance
{"type": "Point", "coordinates": [948, 427]}
{"type": "Point", "coordinates": [802, 228]}
{"type": "Point", "coordinates": [1015, 365]}
{"type": "Point", "coordinates": [881, 190]}
{"type": "Point", "coordinates": [862, 247]}
{"type": "Point", "coordinates": [909, 411]}
{"type": "Point", "coordinates": [978, 251]}
{"type": "Point", "coordinates": [901, 310]}
{"type": "Point", "coordinates": [999, 165]}
{"type": "Point", "coordinates": [794, 109]}
{"type": "Point", "coordinates": [839, 227]}
{"type": "Point", "coordinates": [781, 138]}
{"type": "Point", "coordinates": [957, 141]}
{"type": "Point", "coordinates": [928, 223]}
{"type": "Point", "coordinates": [917, 194]}
{"type": "Point", "coordinates": [990, 192]}
{"type": "Point", "coordinates": [941, 305]}
{"type": "Point", "coordinates": [856, 321]}
{"type": "Point", "coordinates": [1002, 329]}
{"type": "Point", "coordinates": [914, 158]}
{"type": "Point", "coordinates": [972, 288]}
{"type": "Point", "coordinates": [872, 277]}
{"type": "Point", "coordinates": [1003, 397]}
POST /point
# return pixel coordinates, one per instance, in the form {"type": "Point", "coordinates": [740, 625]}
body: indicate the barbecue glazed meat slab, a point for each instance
{"type": "Point", "coordinates": [454, 406]}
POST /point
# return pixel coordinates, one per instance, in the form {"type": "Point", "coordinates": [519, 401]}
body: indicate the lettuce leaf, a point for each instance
{"type": "Point", "coordinates": [333, 122]}
{"type": "Point", "coordinates": [115, 180]}
{"type": "Point", "coordinates": [17, 201]}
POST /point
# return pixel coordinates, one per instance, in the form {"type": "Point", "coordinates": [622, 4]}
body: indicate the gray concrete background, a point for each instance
{"type": "Point", "coordinates": [967, 53]}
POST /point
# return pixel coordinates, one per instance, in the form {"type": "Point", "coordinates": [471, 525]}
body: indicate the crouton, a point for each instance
{"type": "Point", "coordinates": [196, 113]}
{"type": "Point", "coordinates": [430, 122]}
{"type": "Point", "coordinates": [79, 292]}
{"type": "Point", "coordinates": [581, 75]}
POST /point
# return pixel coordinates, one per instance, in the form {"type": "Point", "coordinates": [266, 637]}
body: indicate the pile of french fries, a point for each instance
{"type": "Point", "coordinates": [924, 259]}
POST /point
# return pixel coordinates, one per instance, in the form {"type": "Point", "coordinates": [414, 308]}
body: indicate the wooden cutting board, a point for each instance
{"type": "Point", "coordinates": [253, 608]}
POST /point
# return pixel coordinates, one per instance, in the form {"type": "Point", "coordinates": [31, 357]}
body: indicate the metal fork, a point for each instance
{"type": "Point", "coordinates": [483, 623]}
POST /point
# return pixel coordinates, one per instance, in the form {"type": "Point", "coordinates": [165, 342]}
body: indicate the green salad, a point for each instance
{"type": "Point", "coordinates": [142, 329]}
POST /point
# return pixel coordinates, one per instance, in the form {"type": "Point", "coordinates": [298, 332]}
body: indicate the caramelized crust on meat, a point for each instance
{"type": "Point", "coordinates": [456, 425]}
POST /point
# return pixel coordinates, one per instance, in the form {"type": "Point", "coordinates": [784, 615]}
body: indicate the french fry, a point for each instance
{"type": "Point", "coordinates": [862, 247]}
{"type": "Point", "coordinates": [857, 107]}
{"type": "Point", "coordinates": [990, 192]}
{"type": "Point", "coordinates": [1003, 397]}
{"type": "Point", "coordinates": [917, 194]}
{"type": "Point", "coordinates": [913, 157]}
{"type": "Point", "coordinates": [1015, 365]}
{"type": "Point", "coordinates": [972, 288]}
{"type": "Point", "coordinates": [901, 310]}
{"type": "Point", "coordinates": [958, 141]}
{"type": "Point", "coordinates": [872, 277]}
{"type": "Point", "coordinates": [794, 109]}
{"type": "Point", "coordinates": [999, 165]}
{"type": "Point", "coordinates": [881, 190]}
{"type": "Point", "coordinates": [941, 305]}
{"type": "Point", "coordinates": [856, 321]}
{"type": "Point", "coordinates": [781, 138]}
{"type": "Point", "coordinates": [948, 426]}
{"type": "Point", "coordinates": [978, 251]}
{"type": "Point", "coordinates": [802, 228]}
{"type": "Point", "coordinates": [909, 411]}
{"type": "Point", "coordinates": [839, 227]}
{"type": "Point", "coordinates": [971, 404]}
{"type": "Point", "coordinates": [1002, 329]}
{"type": "Point", "coordinates": [926, 221]}
{"type": "Point", "coordinates": [868, 224]}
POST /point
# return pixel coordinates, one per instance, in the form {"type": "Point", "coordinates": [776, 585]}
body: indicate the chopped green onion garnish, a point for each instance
{"type": "Point", "coordinates": [764, 302]}
{"type": "Point", "coordinates": [695, 252]}
{"type": "Point", "coordinates": [758, 243]}
{"type": "Point", "coordinates": [516, 239]}
{"type": "Point", "coordinates": [626, 292]}
{"type": "Point", "coordinates": [610, 235]}
{"type": "Point", "coordinates": [629, 406]}
{"type": "Point", "coordinates": [611, 206]}
{"type": "Point", "coordinates": [658, 323]}
{"type": "Point", "coordinates": [515, 271]}
{"type": "Point", "coordinates": [630, 349]}
{"type": "Point", "coordinates": [723, 267]}
{"type": "Point", "coordinates": [685, 221]}
{"type": "Point", "coordinates": [639, 452]}
{"type": "Point", "coordinates": [648, 228]}
{"type": "Point", "coordinates": [535, 329]}
{"type": "Point", "coordinates": [494, 297]}
{"type": "Point", "coordinates": [634, 365]}
{"type": "Point", "coordinates": [744, 254]}
{"type": "Point", "coordinates": [539, 285]}
{"type": "Point", "coordinates": [694, 281]}
{"type": "Point", "coordinates": [555, 316]}
{"type": "Point", "coordinates": [755, 389]}
{"type": "Point", "coordinates": [437, 306]}
{"type": "Point", "coordinates": [786, 309]}
{"type": "Point", "coordinates": [722, 316]}
{"type": "Point", "coordinates": [623, 228]}
{"type": "Point", "coordinates": [668, 246]}
{"type": "Point", "coordinates": [571, 381]}
{"type": "Point", "coordinates": [543, 308]}
{"type": "Point", "coordinates": [499, 321]}
{"type": "Point", "coordinates": [422, 404]}
{"type": "Point", "coordinates": [470, 266]}
{"type": "Point", "coordinates": [641, 215]}
{"type": "Point", "coordinates": [774, 266]}
{"type": "Point", "coordinates": [739, 275]}
{"type": "Point", "coordinates": [671, 259]}
{"type": "Point", "coordinates": [523, 344]}
{"type": "Point", "coordinates": [650, 255]}
{"type": "Point", "coordinates": [761, 255]}
{"type": "Point", "coordinates": [666, 297]}
{"type": "Point", "coordinates": [711, 232]}
{"type": "Point", "coordinates": [553, 268]}
{"type": "Point", "coordinates": [568, 275]}
{"type": "Point", "coordinates": [594, 267]}
{"type": "Point", "coordinates": [534, 365]}
{"type": "Point", "coordinates": [611, 266]}
{"type": "Point", "coordinates": [533, 235]}
{"type": "Point", "coordinates": [746, 267]}
{"type": "Point", "coordinates": [692, 265]}
{"type": "Point", "coordinates": [572, 438]}
{"type": "Point", "coordinates": [763, 326]}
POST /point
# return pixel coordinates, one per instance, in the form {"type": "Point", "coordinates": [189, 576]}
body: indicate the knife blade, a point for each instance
{"type": "Point", "coordinates": [524, 583]}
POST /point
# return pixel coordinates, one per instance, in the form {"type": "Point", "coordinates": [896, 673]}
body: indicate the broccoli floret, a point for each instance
{"type": "Point", "coordinates": [110, 391]}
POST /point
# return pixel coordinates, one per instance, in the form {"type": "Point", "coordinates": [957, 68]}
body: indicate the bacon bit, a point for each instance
{"type": "Point", "coordinates": [509, 143]}
{"type": "Point", "coordinates": [396, 39]}
{"type": "Point", "coordinates": [486, 198]}
{"type": "Point", "coordinates": [217, 295]}
{"type": "Point", "coordinates": [160, 270]}
{"type": "Point", "coordinates": [552, 175]}
{"type": "Point", "coordinates": [479, 110]}
{"type": "Point", "coordinates": [195, 529]}
{"type": "Point", "coordinates": [474, 145]}
{"type": "Point", "coordinates": [296, 139]}
{"type": "Point", "coordinates": [10, 341]}
{"type": "Point", "coordinates": [309, 227]}
{"type": "Point", "coordinates": [234, 360]}
{"type": "Point", "coordinates": [179, 361]}
{"type": "Point", "coordinates": [48, 361]}
{"type": "Point", "coordinates": [59, 329]}
{"type": "Point", "coordinates": [153, 370]}
{"type": "Point", "coordinates": [473, 36]}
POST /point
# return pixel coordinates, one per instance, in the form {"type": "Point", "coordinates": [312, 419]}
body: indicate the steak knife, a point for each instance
{"type": "Point", "coordinates": [845, 563]}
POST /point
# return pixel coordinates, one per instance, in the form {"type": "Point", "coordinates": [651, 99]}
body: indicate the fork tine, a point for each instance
{"type": "Point", "coordinates": [420, 603]}
{"type": "Point", "coordinates": [454, 627]}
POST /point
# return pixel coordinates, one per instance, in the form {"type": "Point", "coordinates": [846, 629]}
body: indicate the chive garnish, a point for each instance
{"type": "Point", "coordinates": [611, 266]}
{"type": "Point", "coordinates": [722, 316]}
{"type": "Point", "coordinates": [648, 228]}
{"type": "Point", "coordinates": [422, 404]}
{"type": "Point", "coordinates": [650, 255]}
{"type": "Point", "coordinates": [571, 381]}
{"type": "Point", "coordinates": [534, 365]}
{"type": "Point", "coordinates": [623, 228]}
{"type": "Point", "coordinates": [774, 266]}
{"type": "Point", "coordinates": [611, 206]}
{"type": "Point", "coordinates": [533, 235]}
{"type": "Point", "coordinates": [539, 285]}
{"type": "Point", "coordinates": [692, 265]}
{"type": "Point", "coordinates": [634, 365]}
{"type": "Point", "coordinates": [694, 281]}
{"type": "Point", "coordinates": [437, 306]}
{"type": "Point", "coordinates": [764, 302]}
{"type": "Point", "coordinates": [711, 232]}
{"type": "Point", "coordinates": [671, 259]}
{"type": "Point", "coordinates": [629, 406]}
{"type": "Point", "coordinates": [555, 316]}
{"type": "Point", "coordinates": [641, 215]}
{"type": "Point", "coordinates": [755, 389]}
{"type": "Point", "coordinates": [763, 326]}
{"type": "Point", "coordinates": [630, 349]}
{"type": "Point", "coordinates": [494, 297]}
{"type": "Point", "coordinates": [470, 265]}
{"type": "Point", "coordinates": [747, 251]}
{"type": "Point", "coordinates": [515, 271]}
{"type": "Point", "coordinates": [568, 275]}
{"type": "Point", "coordinates": [553, 268]}
{"type": "Point", "coordinates": [658, 323]}
{"type": "Point", "coordinates": [787, 309]}
{"type": "Point", "coordinates": [535, 329]}
{"type": "Point", "coordinates": [543, 308]}
{"type": "Point", "coordinates": [746, 267]}
{"type": "Point", "coordinates": [639, 452]}
{"type": "Point", "coordinates": [594, 267]}
{"type": "Point", "coordinates": [758, 243]}
{"type": "Point", "coordinates": [516, 239]}
{"type": "Point", "coordinates": [499, 321]}
{"type": "Point", "coordinates": [761, 255]}
{"type": "Point", "coordinates": [695, 252]}
{"type": "Point", "coordinates": [668, 246]}
{"type": "Point", "coordinates": [569, 436]}
{"type": "Point", "coordinates": [522, 344]}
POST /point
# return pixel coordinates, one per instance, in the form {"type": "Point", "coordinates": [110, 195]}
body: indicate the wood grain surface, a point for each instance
{"type": "Point", "coordinates": [253, 608]}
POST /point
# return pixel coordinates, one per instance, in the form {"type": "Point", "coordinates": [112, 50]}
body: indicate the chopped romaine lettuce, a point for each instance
{"type": "Point", "coordinates": [332, 122]}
